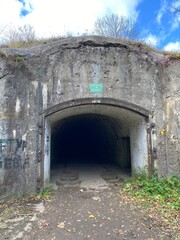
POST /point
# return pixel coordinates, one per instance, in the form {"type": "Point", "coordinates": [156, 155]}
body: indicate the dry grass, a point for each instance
{"type": "Point", "coordinates": [174, 56]}
{"type": "Point", "coordinates": [37, 42]}
{"type": "Point", "coordinates": [33, 43]}
{"type": "Point", "coordinates": [143, 46]}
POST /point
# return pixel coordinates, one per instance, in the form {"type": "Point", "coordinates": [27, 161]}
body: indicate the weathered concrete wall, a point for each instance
{"type": "Point", "coordinates": [172, 113]}
{"type": "Point", "coordinates": [33, 80]}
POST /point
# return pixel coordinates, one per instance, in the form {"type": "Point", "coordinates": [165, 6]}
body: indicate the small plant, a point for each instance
{"type": "Point", "coordinates": [164, 190]}
{"type": "Point", "coordinates": [158, 199]}
{"type": "Point", "coordinates": [16, 60]}
{"type": "Point", "coordinates": [45, 193]}
{"type": "Point", "coordinates": [19, 59]}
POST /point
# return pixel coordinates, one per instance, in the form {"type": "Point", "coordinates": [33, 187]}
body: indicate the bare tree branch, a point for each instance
{"type": "Point", "coordinates": [2, 29]}
{"type": "Point", "coordinates": [174, 9]}
{"type": "Point", "coordinates": [113, 25]}
{"type": "Point", "coordinates": [23, 34]}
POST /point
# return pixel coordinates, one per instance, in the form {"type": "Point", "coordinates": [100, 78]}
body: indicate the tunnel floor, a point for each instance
{"type": "Point", "coordinates": [88, 176]}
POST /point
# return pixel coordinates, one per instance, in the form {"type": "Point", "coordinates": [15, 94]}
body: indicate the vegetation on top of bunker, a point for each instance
{"type": "Point", "coordinates": [124, 30]}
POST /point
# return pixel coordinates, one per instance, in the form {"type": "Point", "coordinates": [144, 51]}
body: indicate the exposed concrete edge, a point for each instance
{"type": "Point", "coordinates": [76, 43]}
{"type": "Point", "coordinates": [71, 42]}
{"type": "Point", "coordinates": [104, 101]}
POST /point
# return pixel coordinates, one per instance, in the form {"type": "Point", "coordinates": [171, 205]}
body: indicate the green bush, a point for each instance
{"type": "Point", "coordinates": [164, 190]}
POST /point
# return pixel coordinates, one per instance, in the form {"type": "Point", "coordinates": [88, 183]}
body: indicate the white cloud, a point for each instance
{"type": "Point", "coordinates": [57, 17]}
{"type": "Point", "coordinates": [161, 12]}
{"type": "Point", "coordinates": [9, 11]}
{"type": "Point", "coordinates": [172, 46]}
{"type": "Point", "coordinates": [175, 23]}
{"type": "Point", "coordinates": [124, 7]}
{"type": "Point", "coordinates": [173, 18]}
{"type": "Point", "coordinates": [28, 5]}
{"type": "Point", "coordinates": [176, 4]}
{"type": "Point", "coordinates": [151, 40]}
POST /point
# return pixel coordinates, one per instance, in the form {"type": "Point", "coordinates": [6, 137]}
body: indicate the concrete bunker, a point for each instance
{"type": "Point", "coordinates": [95, 133]}
{"type": "Point", "coordinates": [95, 79]}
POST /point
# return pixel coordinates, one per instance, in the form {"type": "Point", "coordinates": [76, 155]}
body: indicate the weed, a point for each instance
{"type": "Point", "coordinates": [19, 59]}
{"type": "Point", "coordinates": [13, 60]}
{"type": "Point", "coordinates": [163, 191]}
{"type": "Point", "coordinates": [158, 199]}
{"type": "Point", "coordinates": [45, 193]}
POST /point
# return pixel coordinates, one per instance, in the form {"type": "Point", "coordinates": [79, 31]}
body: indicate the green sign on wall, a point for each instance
{"type": "Point", "coordinates": [96, 88]}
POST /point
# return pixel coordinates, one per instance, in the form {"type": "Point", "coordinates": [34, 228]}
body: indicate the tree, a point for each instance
{"type": "Point", "coordinates": [175, 8]}
{"type": "Point", "coordinates": [23, 33]}
{"type": "Point", "coordinates": [2, 29]}
{"type": "Point", "coordinates": [15, 36]}
{"type": "Point", "coordinates": [113, 25]}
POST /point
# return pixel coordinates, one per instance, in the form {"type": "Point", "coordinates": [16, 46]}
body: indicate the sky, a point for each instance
{"type": "Point", "coordinates": [160, 27]}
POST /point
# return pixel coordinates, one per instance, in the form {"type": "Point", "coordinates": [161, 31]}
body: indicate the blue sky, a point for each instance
{"type": "Point", "coordinates": [159, 26]}
{"type": "Point", "coordinates": [159, 21]}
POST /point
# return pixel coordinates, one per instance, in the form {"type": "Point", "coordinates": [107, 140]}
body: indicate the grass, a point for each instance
{"type": "Point", "coordinates": [174, 56]}
{"type": "Point", "coordinates": [160, 199]}
{"type": "Point", "coordinates": [140, 45]}
{"type": "Point", "coordinates": [143, 45]}
{"type": "Point", "coordinates": [45, 193]}
{"type": "Point", "coordinates": [163, 191]}
{"type": "Point", "coordinates": [32, 43]}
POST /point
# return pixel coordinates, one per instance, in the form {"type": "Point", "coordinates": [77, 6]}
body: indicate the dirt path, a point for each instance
{"type": "Point", "coordinates": [76, 213]}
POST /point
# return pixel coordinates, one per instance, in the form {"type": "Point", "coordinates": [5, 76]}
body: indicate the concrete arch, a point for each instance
{"type": "Point", "coordinates": [122, 115]}
{"type": "Point", "coordinates": [106, 101]}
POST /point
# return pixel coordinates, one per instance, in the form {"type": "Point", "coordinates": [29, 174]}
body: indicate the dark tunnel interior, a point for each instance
{"type": "Point", "coordinates": [88, 138]}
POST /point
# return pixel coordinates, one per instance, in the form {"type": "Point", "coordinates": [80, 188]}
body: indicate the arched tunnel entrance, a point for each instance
{"type": "Point", "coordinates": [92, 136]}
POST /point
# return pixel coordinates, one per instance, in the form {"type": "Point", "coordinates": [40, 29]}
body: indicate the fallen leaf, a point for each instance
{"type": "Point", "coordinates": [91, 216]}
{"type": "Point", "coordinates": [162, 132]}
{"type": "Point", "coordinates": [69, 230]}
{"type": "Point", "coordinates": [60, 225]}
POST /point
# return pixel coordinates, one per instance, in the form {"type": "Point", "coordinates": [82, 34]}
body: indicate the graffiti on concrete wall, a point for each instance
{"type": "Point", "coordinates": [47, 146]}
{"type": "Point", "coordinates": [11, 154]}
